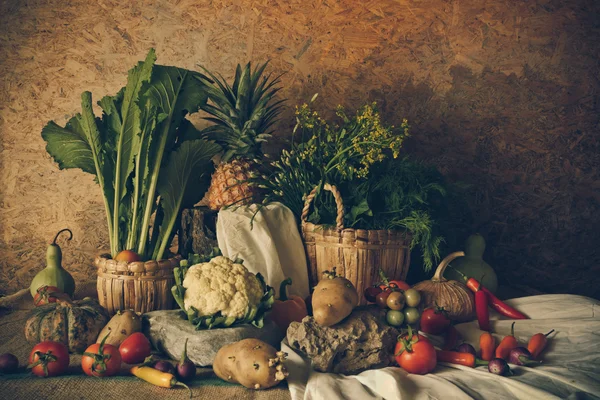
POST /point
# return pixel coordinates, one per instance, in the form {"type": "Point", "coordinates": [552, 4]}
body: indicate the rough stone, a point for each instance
{"type": "Point", "coordinates": [167, 331]}
{"type": "Point", "coordinates": [361, 341]}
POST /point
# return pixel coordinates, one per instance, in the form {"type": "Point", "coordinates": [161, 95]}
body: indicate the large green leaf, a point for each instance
{"type": "Point", "coordinates": [122, 118]}
{"type": "Point", "coordinates": [80, 145]}
{"type": "Point", "coordinates": [181, 184]}
{"type": "Point", "coordinates": [174, 92]}
{"type": "Point", "coordinates": [69, 146]}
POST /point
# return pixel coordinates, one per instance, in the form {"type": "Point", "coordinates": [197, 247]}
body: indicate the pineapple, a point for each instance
{"type": "Point", "coordinates": [243, 114]}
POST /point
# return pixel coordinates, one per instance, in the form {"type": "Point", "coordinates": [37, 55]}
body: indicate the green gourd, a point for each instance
{"type": "Point", "coordinates": [473, 266]}
{"type": "Point", "coordinates": [54, 274]}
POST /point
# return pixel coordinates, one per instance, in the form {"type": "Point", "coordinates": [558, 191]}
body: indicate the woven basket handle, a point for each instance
{"type": "Point", "coordinates": [339, 220]}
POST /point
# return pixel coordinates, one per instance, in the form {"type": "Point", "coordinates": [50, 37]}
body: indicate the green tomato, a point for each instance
{"type": "Point", "coordinates": [411, 315]}
{"type": "Point", "coordinates": [394, 318]}
{"type": "Point", "coordinates": [413, 297]}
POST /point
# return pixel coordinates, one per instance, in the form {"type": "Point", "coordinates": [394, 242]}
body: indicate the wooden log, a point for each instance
{"type": "Point", "coordinates": [197, 231]}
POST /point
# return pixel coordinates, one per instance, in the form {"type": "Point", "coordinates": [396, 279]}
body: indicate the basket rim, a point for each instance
{"type": "Point", "coordinates": [329, 228]}
{"type": "Point", "coordinates": [107, 266]}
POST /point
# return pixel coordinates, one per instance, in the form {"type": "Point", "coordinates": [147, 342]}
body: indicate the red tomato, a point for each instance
{"type": "Point", "coordinates": [371, 293]}
{"type": "Point", "coordinates": [381, 298]}
{"type": "Point", "coordinates": [47, 294]}
{"type": "Point", "coordinates": [101, 359]}
{"type": "Point", "coordinates": [415, 354]}
{"type": "Point", "coordinates": [128, 256]}
{"type": "Point", "coordinates": [49, 359]}
{"type": "Point", "coordinates": [135, 348]}
{"type": "Point", "coordinates": [396, 284]}
{"type": "Point", "coordinates": [435, 321]}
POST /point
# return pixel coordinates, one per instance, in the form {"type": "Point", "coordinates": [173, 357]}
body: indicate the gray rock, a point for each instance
{"type": "Point", "coordinates": [361, 341]}
{"type": "Point", "coordinates": [167, 331]}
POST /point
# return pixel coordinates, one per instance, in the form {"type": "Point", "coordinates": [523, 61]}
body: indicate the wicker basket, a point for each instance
{"type": "Point", "coordinates": [140, 286]}
{"type": "Point", "coordinates": [357, 254]}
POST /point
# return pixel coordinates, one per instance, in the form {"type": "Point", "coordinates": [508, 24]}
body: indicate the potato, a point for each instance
{"type": "Point", "coordinates": [333, 299]}
{"type": "Point", "coordinates": [251, 363]}
{"type": "Point", "coordinates": [120, 326]}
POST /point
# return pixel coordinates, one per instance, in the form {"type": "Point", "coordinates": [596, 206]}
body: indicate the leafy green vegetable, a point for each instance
{"type": "Point", "coordinates": [174, 92]}
{"type": "Point", "coordinates": [122, 117]}
{"type": "Point", "coordinates": [180, 183]}
{"type": "Point", "coordinates": [140, 144]}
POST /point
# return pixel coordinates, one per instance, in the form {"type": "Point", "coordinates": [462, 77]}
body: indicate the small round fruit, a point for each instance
{"type": "Point", "coordinates": [9, 363]}
{"type": "Point", "coordinates": [396, 301]}
{"type": "Point", "coordinates": [381, 299]}
{"type": "Point", "coordinates": [411, 315]}
{"type": "Point", "coordinates": [135, 348]}
{"type": "Point", "coordinates": [49, 359]}
{"type": "Point", "coordinates": [371, 293]}
{"type": "Point", "coordinates": [413, 297]}
{"type": "Point", "coordinates": [395, 318]}
{"type": "Point", "coordinates": [128, 256]}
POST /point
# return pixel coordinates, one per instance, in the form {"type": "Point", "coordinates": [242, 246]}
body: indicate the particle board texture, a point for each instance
{"type": "Point", "coordinates": [501, 95]}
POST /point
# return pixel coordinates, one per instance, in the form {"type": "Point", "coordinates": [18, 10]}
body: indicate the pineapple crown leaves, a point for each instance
{"type": "Point", "coordinates": [242, 112]}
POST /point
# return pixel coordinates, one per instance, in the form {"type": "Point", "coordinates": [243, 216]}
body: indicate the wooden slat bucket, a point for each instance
{"type": "Point", "coordinates": [357, 254]}
{"type": "Point", "coordinates": [140, 286]}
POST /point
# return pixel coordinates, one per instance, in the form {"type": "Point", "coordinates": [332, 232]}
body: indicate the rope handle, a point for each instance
{"type": "Point", "coordinates": [338, 202]}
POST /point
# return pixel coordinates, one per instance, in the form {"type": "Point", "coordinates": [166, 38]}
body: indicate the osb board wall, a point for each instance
{"type": "Point", "coordinates": [500, 94]}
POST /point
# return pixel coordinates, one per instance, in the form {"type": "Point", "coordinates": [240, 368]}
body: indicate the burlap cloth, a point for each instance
{"type": "Point", "coordinates": [76, 385]}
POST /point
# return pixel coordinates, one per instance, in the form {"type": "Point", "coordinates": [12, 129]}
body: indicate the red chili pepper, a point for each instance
{"type": "Point", "coordinates": [493, 301]}
{"type": "Point", "coordinates": [481, 307]}
{"type": "Point", "coordinates": [454, 357]}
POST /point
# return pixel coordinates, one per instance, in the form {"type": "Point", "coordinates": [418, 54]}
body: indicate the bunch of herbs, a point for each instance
{"type": "Point", "coordinates": [360, 156]}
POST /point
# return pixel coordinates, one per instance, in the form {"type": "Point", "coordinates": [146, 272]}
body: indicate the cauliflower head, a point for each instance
{"type": "Point", "coordinates": [221, 285]}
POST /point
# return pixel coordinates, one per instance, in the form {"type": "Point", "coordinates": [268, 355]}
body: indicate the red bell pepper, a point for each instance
{"type": "Point", "coordinates": [287, 309]}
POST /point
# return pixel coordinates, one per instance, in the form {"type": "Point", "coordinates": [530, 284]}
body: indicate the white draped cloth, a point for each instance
{"type": "Point", "coordinates": [571, 362]}
{"type": "Point", "coordinates": [268, 241]}
{"type": "Point", "coordinates": [570, 368]}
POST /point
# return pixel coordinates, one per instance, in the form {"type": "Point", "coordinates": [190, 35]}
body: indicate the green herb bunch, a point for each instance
{"type": "Point", "coordinates": [346, 151]}
{"type": "Point", "coordinates": [359, 154]}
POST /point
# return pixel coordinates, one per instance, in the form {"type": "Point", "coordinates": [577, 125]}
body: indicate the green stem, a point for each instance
{"type": "Point", "coordinates": [383, 278]}
{"type": "Point", "coordinates": [184, 356]}
{"type": "Point", "coordinates": [329, 165]}
{"type": "Point", "coordinates": [155, 172]}
{"type": "Point", "coordinates": [136, 194]}
{"type": "Point", "coordinates": [156, 228]}
{"type": "Point", "coordinates": [89, 119]}
{"type": "Point", "coordinates": [177, 297]}
{"type": "Point", "coordinates": [282, 289]}
{"type": "Point", "coordinates": [117, 198]}
{"type": "Point", "coordinates": [61, 231]}
{"type": "Point", "coordinates": [175, 382]}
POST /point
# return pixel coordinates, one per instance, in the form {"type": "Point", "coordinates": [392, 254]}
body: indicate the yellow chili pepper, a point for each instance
{"type": "Point", "coordinates": [158, 378]}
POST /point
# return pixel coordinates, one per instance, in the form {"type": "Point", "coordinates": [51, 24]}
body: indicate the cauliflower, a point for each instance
{"type": "Point", "coordinates": [221, 285]}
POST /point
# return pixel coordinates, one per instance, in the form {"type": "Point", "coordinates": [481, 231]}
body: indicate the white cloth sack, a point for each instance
{"type": "Point", "coordinates": [570, 368]}
{"type": "Point", "coordinates": [271, 245]}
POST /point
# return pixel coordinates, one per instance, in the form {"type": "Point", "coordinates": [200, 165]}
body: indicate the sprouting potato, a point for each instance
{"type": "Point", "coordinates": [333, 299]}
{"type": "Point", "coordinates": [251, 363]}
